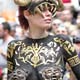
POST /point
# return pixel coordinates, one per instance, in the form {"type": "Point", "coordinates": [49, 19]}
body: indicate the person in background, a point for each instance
{"type": "Point", "coordinates": [40, 56]}
{"type": "Point", "coordinates": [66, 15]}
{"type": "Point", "coordinates": [61, 30]}
{"type": "Point", "coordinates": [5, 38]}
{"type": "Point", "coordinates": [17, 32]}
{"type": "Point", "coordinates": [55, 24]}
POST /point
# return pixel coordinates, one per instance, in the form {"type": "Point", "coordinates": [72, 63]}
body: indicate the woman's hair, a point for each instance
{"type": "Point", "coordinates": [22, 20]}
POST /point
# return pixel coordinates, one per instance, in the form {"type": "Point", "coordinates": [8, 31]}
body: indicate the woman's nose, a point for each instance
{"type": "Point", "coordinates": [47, 13]}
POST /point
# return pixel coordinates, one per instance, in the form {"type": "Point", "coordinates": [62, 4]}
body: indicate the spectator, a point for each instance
{"type": "Point", "coordinates": [55, 24]}
{"type": "Point", "coordinates": [62, 30]}
{"type": "Point", "coordinates": [5, 38]}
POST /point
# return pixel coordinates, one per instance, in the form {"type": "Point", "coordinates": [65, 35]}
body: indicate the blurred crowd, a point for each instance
{"type": "Point", "coordinates": [66, 22]}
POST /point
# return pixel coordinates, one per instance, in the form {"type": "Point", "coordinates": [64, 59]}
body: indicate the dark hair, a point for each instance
{"type": "Point", "coordinates": [6, 26]}
{"type": "Point", "coordinates": [22, 20]}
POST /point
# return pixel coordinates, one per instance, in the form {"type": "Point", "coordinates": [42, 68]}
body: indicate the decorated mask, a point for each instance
{"type": "Point", "coordinates": [39, 6]}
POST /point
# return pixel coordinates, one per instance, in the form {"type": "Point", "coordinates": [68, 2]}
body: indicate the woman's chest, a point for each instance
{"type": "Point", "coordinates": [38, 54]}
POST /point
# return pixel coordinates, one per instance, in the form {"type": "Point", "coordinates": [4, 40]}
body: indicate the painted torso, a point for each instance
{"type": "Point", "coordinates": [42, 54]}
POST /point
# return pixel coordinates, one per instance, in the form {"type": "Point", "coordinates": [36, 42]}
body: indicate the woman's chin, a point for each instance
{"type": "Point", "coordinates": [47, 26]}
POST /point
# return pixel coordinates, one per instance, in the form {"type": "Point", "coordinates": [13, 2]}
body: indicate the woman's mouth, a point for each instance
{"type": "Point", "coordinates": [47, 20]}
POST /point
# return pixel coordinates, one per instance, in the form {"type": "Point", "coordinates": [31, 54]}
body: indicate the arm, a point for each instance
{"type": "Point", "coordinates": [71, 57]}
{"type": "Point", "coordinates": [10, 57]}
{"type": "Point", "coordinates": [74, 63]}
{"type": "Point", "coordinates": [70, 54]}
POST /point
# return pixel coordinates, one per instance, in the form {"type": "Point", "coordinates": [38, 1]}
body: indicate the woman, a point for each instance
{"type": "Point", "coordinates": [40, 56]}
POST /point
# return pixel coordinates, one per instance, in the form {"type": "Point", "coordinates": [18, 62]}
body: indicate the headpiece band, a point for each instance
{"type": "Point", "coordinates": [40, 5]}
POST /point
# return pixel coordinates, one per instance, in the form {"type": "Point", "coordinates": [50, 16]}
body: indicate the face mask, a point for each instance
{"type": "Point", "coordinates": [52, 7]}
{"type": "Point", "coordinates": [39, 6]}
